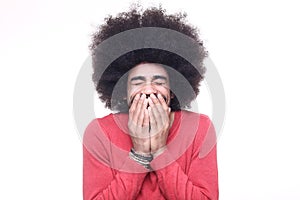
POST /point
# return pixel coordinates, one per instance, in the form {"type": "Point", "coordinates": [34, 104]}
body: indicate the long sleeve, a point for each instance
{"type": "Point", "coordinates": [100, 181]}
{"type": "Point", "coordinates": [104, 175]}
{"type": "Point", "coordinates": [199, 183]}
{"type": "Point", "coordinates": [200, 179]}
{"type": "Point", "coordinates": [186, 170]}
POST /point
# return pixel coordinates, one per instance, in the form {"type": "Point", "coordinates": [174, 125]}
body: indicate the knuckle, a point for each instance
{"type": "Point", "coordinates": [130, 125]}
{"type": "Point", "coordinates": [131, 110]}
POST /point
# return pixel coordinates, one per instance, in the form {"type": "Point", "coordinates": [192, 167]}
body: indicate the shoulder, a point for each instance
{"type": "Point", "coordinates": [205, 136]}
{"type": "Point", "coordinates": [98, 121]}
{"type": "Point", "coordinates": [206, 139]}
{"type": "Point", "coordinates": [193, 124]}
{"type": "Point", "coordinates": [201, 119]}
{"type": "Point", "coordinates": [107, 125]}
{"type": "Point", "coordinates": [97, 126]}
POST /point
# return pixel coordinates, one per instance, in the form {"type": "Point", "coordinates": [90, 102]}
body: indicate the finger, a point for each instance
{"type": "Point", "coordinates": [154, 99]}
{"type": "Point", "coordinates": [162, 113]}
{"type": "Point", "coordinates": [140, 118]}
{"type": "Point", "coordinates": [152, 122]}
{"type": "Point", "coordinates": [142, 113]}
{"type": "Point", "coordinates": [165, 113]}
{"type": "Point", "coordinates": [133, 106]}
{"type": "Point", "coordinates": [162, 102]}
{"type": "Point", "coordinates": [138, 109]}
{"type": "Point", "coordinates": [155, 108]}
{"type": "Point", "coordinates": [146, 117]}
{"type": "Point", "coordinates": [155, 120]}
{"type": "Point", "coordinates": [146, 121]}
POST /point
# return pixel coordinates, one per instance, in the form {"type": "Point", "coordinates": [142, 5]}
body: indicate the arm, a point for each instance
{"type": "Point", "coordinates": [100, 180]}
{"type": "Point", "coordinates": [200, 181]}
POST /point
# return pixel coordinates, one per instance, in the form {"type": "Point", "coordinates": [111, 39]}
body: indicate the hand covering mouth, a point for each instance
{"type": "Point", "coordinates": [147, 96]}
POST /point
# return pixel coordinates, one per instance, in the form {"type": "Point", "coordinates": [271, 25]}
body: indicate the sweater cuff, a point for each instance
{"type": "Point", "coordinates": [132, 167]}
{"type": "Point", "coordinates": [162, 160]}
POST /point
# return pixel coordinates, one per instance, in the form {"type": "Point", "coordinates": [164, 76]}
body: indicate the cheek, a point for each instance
{"type": "Point", "coordinates": [165, 91]}
{"type": "Point", "coordinates": [166, 94]}
{"type": "Point", "coordinates": [131, 93]}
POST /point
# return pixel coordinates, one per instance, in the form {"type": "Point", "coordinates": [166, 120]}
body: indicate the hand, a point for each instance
{"type": "Point", "coordinates": [159, 117]}
{"type": "Point", "coordinates": [138, 124]}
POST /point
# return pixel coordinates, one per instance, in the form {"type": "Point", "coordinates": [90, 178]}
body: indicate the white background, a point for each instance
{"type": "Point", "coordinates": [254, 44]}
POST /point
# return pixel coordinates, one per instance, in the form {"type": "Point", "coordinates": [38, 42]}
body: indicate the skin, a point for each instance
{"type": "Point", "coordinates": [149, 118]}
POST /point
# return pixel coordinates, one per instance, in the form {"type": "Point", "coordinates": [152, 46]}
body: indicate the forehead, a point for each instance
{"type": "Point", "coordinates": [148, 70]}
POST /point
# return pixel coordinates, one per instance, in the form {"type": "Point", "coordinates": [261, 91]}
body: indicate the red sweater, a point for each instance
{"type": "Point", "coordinates": [186, 170]}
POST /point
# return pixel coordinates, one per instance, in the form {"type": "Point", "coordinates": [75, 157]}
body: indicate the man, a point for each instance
{"type": "Point", "coordinates": [150, 148]}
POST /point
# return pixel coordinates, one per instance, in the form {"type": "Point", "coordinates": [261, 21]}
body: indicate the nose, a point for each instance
{"type": "Point", "coordinates": [149, 89]}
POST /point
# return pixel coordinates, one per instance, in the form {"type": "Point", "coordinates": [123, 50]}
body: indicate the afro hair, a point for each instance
{"type": "Point", "coordinates": [107, 81]}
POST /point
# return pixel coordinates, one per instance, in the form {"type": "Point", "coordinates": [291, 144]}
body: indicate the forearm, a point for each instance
{"type": "Point", "coordinates": [200, 182]}
{"type": "Point", "coordinates": [175, 184]}
{"type": "Point", "coordinates": [102, 182]}
{"type": "Point", "coordinates": [123, 186]}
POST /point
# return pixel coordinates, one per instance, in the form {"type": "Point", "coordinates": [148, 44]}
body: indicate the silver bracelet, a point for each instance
{"type": "Point", "coordinates": [141, 159]}
{"type": "Point", "coordinates": [148, 157]}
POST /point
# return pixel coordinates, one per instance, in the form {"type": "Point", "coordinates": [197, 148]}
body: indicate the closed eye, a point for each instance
{"type": "Point", "coordinates": [159, 83]}
{"type": "Point", "coordinates": [139, 83]}
{"type": "Point", "coordinates": [137, 80]}
{"type": "Point", "coordinates": [159, 80]}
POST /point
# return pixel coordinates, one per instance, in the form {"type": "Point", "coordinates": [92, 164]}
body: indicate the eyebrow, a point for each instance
{"type": "Point", "coordinates": [138, 78]}
{"type": "Point", "coordinates": [142, 78]}
{"type": "Point", "coordinates": [159, 77]}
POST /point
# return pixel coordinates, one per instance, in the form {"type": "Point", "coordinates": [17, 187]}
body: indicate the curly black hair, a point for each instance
{"type": "Point", "coordinates": [112, 79]}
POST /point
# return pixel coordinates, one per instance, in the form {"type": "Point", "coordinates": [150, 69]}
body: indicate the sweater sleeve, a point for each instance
{"type": "Point", "coordinates": [102, 177]}
{"type": "Point", "coordinates": [200, 181]}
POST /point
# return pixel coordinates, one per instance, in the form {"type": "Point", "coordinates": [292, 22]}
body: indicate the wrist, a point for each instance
{"type": "Point", "coordinates": [142, 153]}
{"type": "Point", "coordinates": [142, 159]}
{"type": "Point", "coordinates": [159, 151]}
